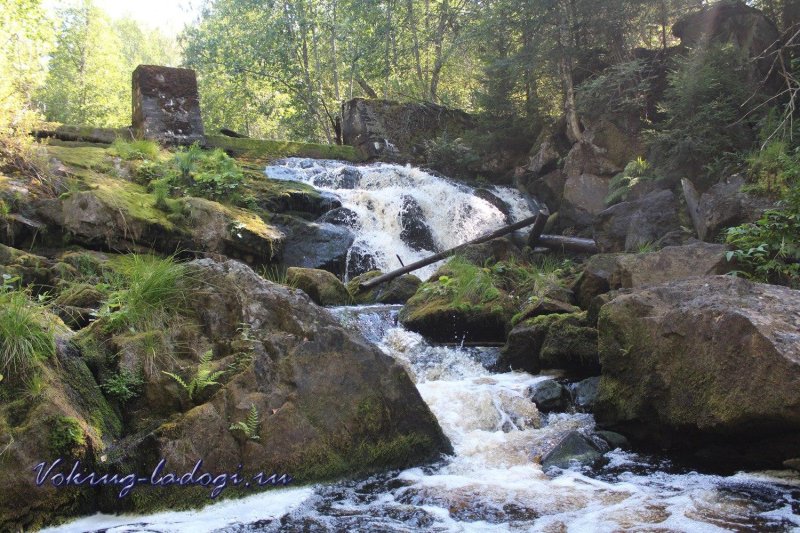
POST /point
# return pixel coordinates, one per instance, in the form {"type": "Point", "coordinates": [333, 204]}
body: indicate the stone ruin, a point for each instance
{"type": "Point", "coordinates": [166, 105]}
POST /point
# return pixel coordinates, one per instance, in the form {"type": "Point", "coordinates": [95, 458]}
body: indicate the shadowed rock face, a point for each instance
{"type": "Point", "coordinates": [166, 105]}
{"type": "Point", "coordinates": [704, 361]}
{"type": "Point", "coordinates": [394, 130]}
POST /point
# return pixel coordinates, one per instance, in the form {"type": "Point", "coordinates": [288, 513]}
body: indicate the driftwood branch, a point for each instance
{"type": "Point", "coordinates": [541, 217]}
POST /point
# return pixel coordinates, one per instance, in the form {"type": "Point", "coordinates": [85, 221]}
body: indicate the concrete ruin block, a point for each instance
{"type": "Point", "coordinates": [166, 105]}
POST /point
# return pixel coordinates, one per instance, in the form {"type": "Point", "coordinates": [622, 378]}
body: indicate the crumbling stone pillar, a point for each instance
{"type": "Point", "coordinates": [166, 106]}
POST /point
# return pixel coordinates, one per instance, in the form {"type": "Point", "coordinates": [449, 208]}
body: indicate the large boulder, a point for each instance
{"type": "Point", "coordinates": [321, 286]}
{"type": "Point", "coordinates": [322, 246]}
{"type": "Point", "coordinates": [415, 233]}
{"type": "Point", "coordinates": [396, 291]}
{"type": "Point", "coordinates": [69, 418]}
{"type": "Point", "coordinates": [587, 158]}
{"type": "Point", "coordinates": [583, 199]}
{"type": "Point", "coordinates": [323, 393]}
{"type": "Point", "coordinates": [723, 205]}
{"type": "Point", "coordinates": [166, 105]}
{"type": "Point", "coordinates": [702, 362]}
{"type": "Point", "coordinates": [231, 231]}
{"type": "Point", "coordinates": [383, 128]}
{"type": "Point", "coordinates": [548, 188]}
{"type": "Point", "coordinates": [626, 226]}
{"type": "Point", "coordinates": [606, 272]}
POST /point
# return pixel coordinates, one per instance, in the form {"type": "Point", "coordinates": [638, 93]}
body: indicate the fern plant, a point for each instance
{"type": "Point", "coordinates": [249, 426]}
{"type": "Point", "coordinates": [204, 377]}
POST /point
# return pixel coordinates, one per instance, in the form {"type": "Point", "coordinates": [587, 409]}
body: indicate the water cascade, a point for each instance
{"type": "Point", "coordinates": [396, 210]}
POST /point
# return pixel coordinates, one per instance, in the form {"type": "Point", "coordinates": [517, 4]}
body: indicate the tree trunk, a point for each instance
{"type": "Point", "coordinates": [412, 24]}
{"type": "Point", "coordinates": [565, 71]}
{"type": "Point", "coordinates": [335, 59]}
{"type": "Point", "coordinates": [387, 63]}
{"type": "Point", "coordinates": [438, 51]}
{"type": "Point", "coordinates": [365, 86]}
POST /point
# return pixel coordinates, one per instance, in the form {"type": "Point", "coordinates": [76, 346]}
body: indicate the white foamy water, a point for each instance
{"type": "Point", "coordinates": [493, 482]}
{"type": "Point", "coordinates": [378, 193]}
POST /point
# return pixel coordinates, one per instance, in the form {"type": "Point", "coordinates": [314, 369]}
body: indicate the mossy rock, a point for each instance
{"type": "Point", "coordinates": [80, 295]}
{"type": "Point", "coordinates": [396, 291]}
{"type": "Point", "coordinates": [556, 341]}
{"type": "Point", "coordinates": [441, 320]}
{"type": "Point", "coordinates": [321, 286]}
{"type": "Point", "coordinates": [571, 346]}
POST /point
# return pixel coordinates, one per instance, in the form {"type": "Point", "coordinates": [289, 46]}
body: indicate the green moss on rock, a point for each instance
{"type": "Point", "coordinates": [269, 150]}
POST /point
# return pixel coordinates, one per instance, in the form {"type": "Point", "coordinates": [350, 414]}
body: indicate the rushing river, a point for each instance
{"type": "Point", "coordinates": [494, 481]}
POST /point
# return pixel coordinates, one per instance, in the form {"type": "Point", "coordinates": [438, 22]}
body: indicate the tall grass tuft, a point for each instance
{"type": "Point", "coordinates": [26, 338]}
{"type": "Point", "coordinates": [150, 293]}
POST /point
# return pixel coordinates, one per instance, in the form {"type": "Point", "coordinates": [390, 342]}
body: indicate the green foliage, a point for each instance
{"type": "Point", "coordinates": [769, 249]}
{"type": "Point", "coordinates": [203, 377]}
{"type": "Point", "coordinates": [148, 293]}
{"type": "Point", "coordinates": [26, 334]}
{"type": "Point", "coordinates": [620, 186]}
{"type": "Point", "coordinates": [453, 156]}
{"type": "Point", "coordinates": [703, 113]}
{"type": "Point", "coordinates": [249, 426]}
{"type": "Point", "coordinates": [161, 193]}
{"type": "Point", "coordinates": [773, 168]}
{"type": "Point", "coordinates": [88, 81]}
{"type": "Point", "coordinates": [143, 150]}
{"type": "Point", "coordinates": [26, 36]}
{"type": "Point", "coordinates": [124, 385]}
{"type": "Point", "coordinates": [620, 89]}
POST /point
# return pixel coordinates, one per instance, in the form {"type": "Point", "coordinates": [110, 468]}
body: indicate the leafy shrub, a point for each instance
{"type": "Point", "coordinates": [135, 150]}
{"type": "Point", "coordinates": [703, 111]}
{"type": "Point", "coordinates": [124, 385]}
{"type": "Point", "coordinates": [769, 249]}
{"type": "Point", "coordinates": [203, 377]}
{"type": "Point", "coordinates": [620, 186]}
{"type": "Point", "coordinates": [26, 336]}
{"type": "Point", "coordinates": [148, 293]}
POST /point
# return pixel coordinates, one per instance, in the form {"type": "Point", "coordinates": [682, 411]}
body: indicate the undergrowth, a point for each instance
{"type": "Point", "coordinates": [26, 334]}
{"type": "Point", "coordinates": [148, 293]}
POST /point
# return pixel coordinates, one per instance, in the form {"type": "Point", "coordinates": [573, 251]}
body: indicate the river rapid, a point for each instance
{"type": "Point", "coordinates": [494, 480]}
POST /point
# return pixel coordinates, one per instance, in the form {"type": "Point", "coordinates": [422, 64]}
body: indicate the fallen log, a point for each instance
{"type": "Point", "coordinates": [568, 244]}
{"type": "Point", "coordinates": [69, 133]}
{"type": "Point", "coordinates": [374, 282]}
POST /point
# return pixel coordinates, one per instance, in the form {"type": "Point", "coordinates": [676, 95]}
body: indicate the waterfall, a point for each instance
{"type": "Point", "coordinates": [396, 210]}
